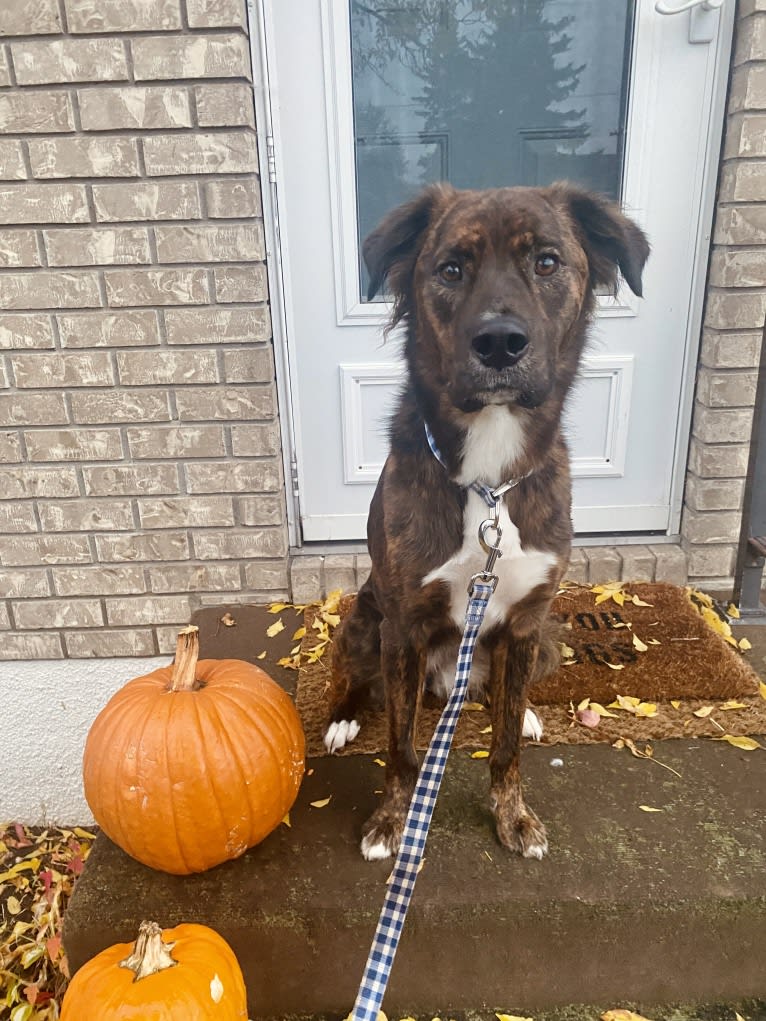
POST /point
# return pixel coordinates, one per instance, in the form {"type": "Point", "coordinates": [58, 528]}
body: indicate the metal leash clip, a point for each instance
{"type": "Point", "coordinates": [492, 550]}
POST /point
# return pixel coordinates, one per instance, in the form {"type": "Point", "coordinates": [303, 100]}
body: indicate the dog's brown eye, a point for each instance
{"type": "Point", "coordinates": [546, 264]}
{"type": "Point", "coordinates": [450, 272]}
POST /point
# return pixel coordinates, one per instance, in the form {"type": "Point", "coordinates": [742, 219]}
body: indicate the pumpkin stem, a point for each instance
{"type": "Point", "coordinates": [149, 954]}
{"type": "Point", "coordinates": [185, 666]}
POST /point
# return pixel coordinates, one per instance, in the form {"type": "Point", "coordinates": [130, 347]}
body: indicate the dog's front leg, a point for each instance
{"type": "Point", "coordinates": [403, 669]}
{"type": "Point", "coordinates": [511, 667]}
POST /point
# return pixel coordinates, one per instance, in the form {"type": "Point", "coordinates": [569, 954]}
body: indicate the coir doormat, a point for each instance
{"type": "Point", "coordinates": [644, 661]}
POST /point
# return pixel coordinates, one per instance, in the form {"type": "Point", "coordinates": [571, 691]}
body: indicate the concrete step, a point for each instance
{"type": "Point", "coordinates": [653, 908]}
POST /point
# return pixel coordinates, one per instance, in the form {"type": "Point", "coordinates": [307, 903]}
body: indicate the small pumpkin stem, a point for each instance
{"type": "Point", "coordinates": [185, 667]}
{"type": "Point", "coordinates": [149, 954]}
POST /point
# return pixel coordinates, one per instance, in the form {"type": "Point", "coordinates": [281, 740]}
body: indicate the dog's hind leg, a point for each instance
{"type": "Point", "coordinates": [355, 669]}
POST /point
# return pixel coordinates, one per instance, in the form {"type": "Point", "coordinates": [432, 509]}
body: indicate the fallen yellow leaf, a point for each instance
{"type": "Point", "coordinates": [747, 744]}
{"type": "Point", "coordinates": [733, 704]}
{"type": "Point", "coordinates": [704, 711]}
{"type": "Point", "coordinates": [615, 666]}
{"type": "Point", "coordinates": [646, 709]}
{"type": "Point", "coordinates": [744, 644]}
{"type": "Point", "coordinates": [278, 607]}
{"type": "Point", "coordinates": [598, 708]}
{"type": "Point", "coordinates": [620, 1014]}
{"type": "Point", "coordinates": [286, 820]}
{"type": "Point", "coordinates": [638, 644]}
{"type": "Point", "coordinates": [511, 1017]}
{"type": "Point", "coordinates": [261, 655]}
{"type": "Point", "coordinates": [654, 641]}
{"type": "Point", "coordinates": [275, 628]}
{"type": "Point", "coordinates": [379, 762]}
{"type": "Point", "coordinates": [481, 754]}
{"type": "Point", "coordinates": [675, 703]}
{"type": "Point", "coordinates": [762, 689]}
{"type": "Point", "coordinates": [733, 611]}
{"type": "Point", "coordinates": [474, 707]}
{"type": "Point", "coordinates": [648, 808]}
{"type": "Point", "coordinates": [487, 730]}
{"type": "Point", "coordinates": [13, 905]}
{"type": "Point", "coordinates": [300, 633]}
{"type": "Point", "coordinates": [640, 602]}
{"type": "Point", "coordinates": [322, 803]}
{"type": "Point", "coordinates": [584, 704]}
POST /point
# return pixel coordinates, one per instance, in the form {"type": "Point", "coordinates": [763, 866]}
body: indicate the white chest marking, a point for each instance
{"type": "Point", "coordinates": [492, 445]}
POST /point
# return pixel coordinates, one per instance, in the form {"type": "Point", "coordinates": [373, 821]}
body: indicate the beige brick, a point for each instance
{"type": "Point", "coordinates": [671, 565]}
{"type": "Point", "coordinates": [137, 368]}
{"type": "Point", "coordinates": [751, 40]}
{"type": "Point", "coordinates": [267, 576]}
{"type": "Point", "coordinates": [745, 135]}
{"type": "Point", "coordinates": [156, 287]}
{"type": "Point", "coordinates": [165, 609]}
{"type": "Point", "coordinates": [363, 568]}
{"type": "Point", "coordinates": [165, 200]}
{"type": "Point", "coordinates": [714, 494]}
{"type": "Point", "coordinates": [725, 461]}
{"type": "Point", "coordinates": [25, 112]}
{"type": "Point", "coordinates": [90, 515]}
{"type": "Point", "coordinates": [30, 646]}
{"type": "Point", "coordinates": [306, 579]}
{"type": "Point", "coordinates": [260, 510]}
{"type": "Point", "coordinates": [339, 572]}
{"type": "Point", "coordinates": [743, 181]}
{"type": "Point", "coordinates": [109, 643]}
{"type": "Point", "coordinates": [255, 440]}
{"type": "Point", "coordinates": [225, 105]}
{"type": "Point", "coordinates": [176, 441]}
{"type": "Point", "coordinates": [246, 283]}
{"type": "Point", "coordinates": [711, 561]}
{"type": "Point", "coordinates": [18, 248]}
{"type": "Point", "coordinates": [233, 197]}
{"type": "Point", "coordinates": [5, 71]}
{"type": "Point", "coordinates": [224, 152]}
{"type": "Point", "coordinates": [710, 526]}
{"type": "Point", "coordinates": [10, 448]}
{"type": "Point", "coordinates": [740, 225]}
{"type": "Point", "coordinates": [726, 389]}
{"type": "Point", "coordinates": [167, 637]}
{"type": "Point", "coordinates": [730, 310]}
{"type": "Point", "coordinates": [148, 547]}
{"type": "Point", "coordinates": [47, 549]}
{"type": "Point", "coordinates": [120, 406]}
{"type": "Point", "coordinates": [43, 203]}
{"type": "Point", "coordinates": [12, 161]}
{"type": "Point", "coordinates": [19, 17]}
{"type": "Point", "coordinates": [98, 581]}
{"type": "Point", "coordinates": [740, 350]}
{"type": "Point", "coordinates": [195, 578]}
{"type": "Point", "coordinates": [216, 13]}
{"type": "Point", "coordinates": [73, 444]}
{"type": "Point", "coordinates": [31, 584]}
{"type": "Point", "coordinates": [32, 409]}
{"type": "Point", "coordinates": [84, 157]}
{"type": "Point", "coordinates": [228, 545]}
{"type": "Point", "coordinates": [16, 518]}
{"type": "Point", "coordinates": [186, 512]}
{"type": "Point", "coordinates": [722, 425]}
{"type": "Point", "coordinates": [748, 88]}
{"type": "Point", "coordinates": [58, 613]}
{"type": "Point", "coordinates": [577, 569]}
{"type": "Point", "coordinates": [743, 267]}
{"type": "Point", "coordinates": [25, 331]}
{"type": "Point", "coordinates": [140, 480]}
{"type": "Point", "coordinates": [221, 243]}
{"type": "Point", "coordinates": [233, 477]}
{"type": "Point", "coordinates": [194, 56]}
{"type": "Point", "coordinates": [5, 621]}
{"type": "Point", "coordinates": [248, 365]}
{"type": "Point", "coordinates": [107, 329]}
{"type": "Point", "coordinates": [29, 481]}
{"type": "Point", "coordinates": [216, 325]}
{"type": "Point", "coordinates": [225, 402]}
{"type": "Point", "coordinates": [134, 106]}
{"type": "Point", "coordinates": [50, 290]}
{"type": "Point", "coordinates": [122, 15]}
{"type": "Point", "coordinates": [604, 564]}
{"type": "Point", "coordinates": [69, 60]}
{"type": "Point", "coordinates": [107, 246]}
{"type": "Point", "coordinates": [62, 370]}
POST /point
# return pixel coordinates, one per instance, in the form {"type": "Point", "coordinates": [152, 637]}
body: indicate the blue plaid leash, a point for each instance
{"type": "Point", "coordinates": [412, 847]}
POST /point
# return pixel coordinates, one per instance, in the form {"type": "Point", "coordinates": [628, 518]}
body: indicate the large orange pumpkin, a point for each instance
{"type": "Point", "coordinates": [190, 765]}
{"type": "Point", "coordinates": [188, 973]}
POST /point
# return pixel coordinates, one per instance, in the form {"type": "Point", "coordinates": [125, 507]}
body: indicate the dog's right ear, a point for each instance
{"type": "Point", "coordinates": [391, 250]}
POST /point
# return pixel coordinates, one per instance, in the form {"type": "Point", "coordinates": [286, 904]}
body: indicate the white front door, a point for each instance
{"type": "Point", "coordinates": [373, 99]}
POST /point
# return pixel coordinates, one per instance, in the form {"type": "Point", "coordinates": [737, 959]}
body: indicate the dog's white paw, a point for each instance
{"type": "Point", "coordinates": [532, 727]}
{"type": "Point", "coordinates": [339, 734]}
{"type": "Point", "coordinates": [374, 849]}
{"type": "Point", "coordinates": [536, 848]}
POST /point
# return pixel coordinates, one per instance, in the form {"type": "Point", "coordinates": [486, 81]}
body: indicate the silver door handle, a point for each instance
{"type": "Point", "coordinates": [661, 7]}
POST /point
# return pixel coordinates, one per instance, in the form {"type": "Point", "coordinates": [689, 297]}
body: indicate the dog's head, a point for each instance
{"type": "Point", "coordinates": [497, 286]}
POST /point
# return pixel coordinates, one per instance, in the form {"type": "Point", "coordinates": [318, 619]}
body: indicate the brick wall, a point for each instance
{"type": "Point", "coordinates": [139, 439]}
{"type": "Point", "coordinates": [734, 318]}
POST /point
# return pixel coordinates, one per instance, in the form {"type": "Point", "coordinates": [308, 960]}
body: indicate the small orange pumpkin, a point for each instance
{"type": "Point", "coordinates": [188, 973]}
{"type": "Point", "coordinates": [190, 765]}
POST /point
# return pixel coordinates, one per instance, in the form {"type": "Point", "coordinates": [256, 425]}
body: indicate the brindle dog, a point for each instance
{"type": "Point", "coordinates": [496, 290]}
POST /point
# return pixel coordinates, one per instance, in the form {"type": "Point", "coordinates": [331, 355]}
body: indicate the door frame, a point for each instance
{"type": "Point", "coordinates": [261, 28]}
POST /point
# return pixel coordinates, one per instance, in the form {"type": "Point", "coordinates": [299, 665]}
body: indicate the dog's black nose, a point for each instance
{"type": "Point", "coordinates": [500, 342]}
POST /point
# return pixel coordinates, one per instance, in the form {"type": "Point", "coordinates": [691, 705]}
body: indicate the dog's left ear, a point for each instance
{"type": "Point", "coordinates": [610, 238]}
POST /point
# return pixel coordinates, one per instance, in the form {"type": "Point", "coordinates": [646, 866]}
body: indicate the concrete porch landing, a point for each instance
{"type": "Point", "coordinates": [651, 908]}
